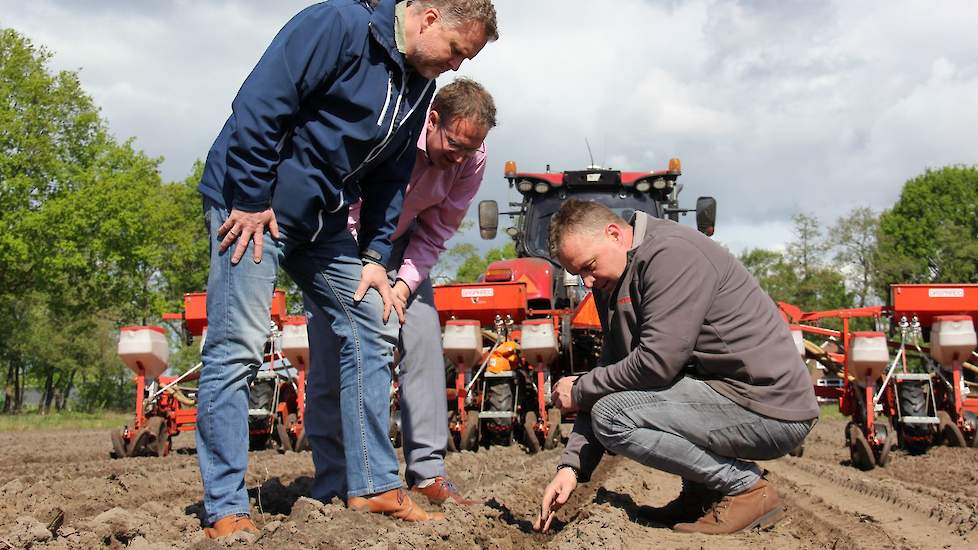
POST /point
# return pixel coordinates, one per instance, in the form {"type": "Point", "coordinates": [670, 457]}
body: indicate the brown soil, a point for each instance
{"type": "Point", "coordinates": [928, 501]}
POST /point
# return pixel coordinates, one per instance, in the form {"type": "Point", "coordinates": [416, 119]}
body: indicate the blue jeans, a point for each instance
{"type": "Point", "coordinates": [690, 430]}
{"type": "Point", "coordinates": [238, 302]}
{"type": "Point", "coordinates": [424, 412]}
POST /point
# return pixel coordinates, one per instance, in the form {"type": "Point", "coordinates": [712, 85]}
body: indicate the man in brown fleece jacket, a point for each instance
{"type": "Point", "coordinates": [698, 376]}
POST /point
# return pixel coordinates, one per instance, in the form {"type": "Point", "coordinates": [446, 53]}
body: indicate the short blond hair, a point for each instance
{"type": "Point", "coordinates": [457, 12]}
{"type": "Point", "coordinates": [577, 216]}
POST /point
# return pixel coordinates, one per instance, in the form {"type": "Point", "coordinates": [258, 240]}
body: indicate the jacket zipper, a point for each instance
{"type": "Point", "coordinates": [387, 102]}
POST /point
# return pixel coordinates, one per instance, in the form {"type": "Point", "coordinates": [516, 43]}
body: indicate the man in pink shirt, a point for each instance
{"type": "Point", "coordinates": [450, 164]}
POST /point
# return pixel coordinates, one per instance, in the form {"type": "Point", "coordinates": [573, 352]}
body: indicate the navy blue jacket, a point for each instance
{"type": "Point", "coordinates": [328, 116]}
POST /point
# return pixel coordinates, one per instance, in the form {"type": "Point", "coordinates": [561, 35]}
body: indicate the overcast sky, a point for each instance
{"type": "Point", "coordinates": [774, 107]}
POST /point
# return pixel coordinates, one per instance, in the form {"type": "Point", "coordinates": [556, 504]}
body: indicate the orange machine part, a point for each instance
{"type": "Point", "coordinates": [929, 300]}
{"type": "Point", "coordinates": [195, 311]}
{"type": "Point", "coordinates": [481, 302]}
{"type": "Point", "coordinates": [586, 314]}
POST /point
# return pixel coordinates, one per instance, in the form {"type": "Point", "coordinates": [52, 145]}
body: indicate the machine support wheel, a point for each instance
{"type": "Point", "coordinates": [302, 441]}
{"type": "Point", "coordinates": [118, 445]}
{"type": "Point", "coordinates": [553, 438]}
{"type": "Point", "coordinates": [950, 432]}
{"type": "Point", "coordinates": [452, 444]}
{"type": "Point", "coordinates": [156, 428]}
{"type": "Point", "coordinates": [859, 449]}
{"type": "Point", "coordinates": [889, 440]}
{"type": "Point", "coordinates": [530, 433]}
{"type": "Point", "coordinates": [470, 432]}
{"type": "Point", "coordinates": [282, 435]}
{"type": "Point", "coordinates": [971, 419]}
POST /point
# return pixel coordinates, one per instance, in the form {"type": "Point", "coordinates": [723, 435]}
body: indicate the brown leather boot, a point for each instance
{"type": "Point", "coordinates": [693, 501]}
{"type": "Point", "coordinates": [760, 506]}
{"type": "Point", "coordinates": [395, 503]}
{"type": "Point", "coordinates": [441, 490]}
{"type": "Point", "coordinates": [228, 525]}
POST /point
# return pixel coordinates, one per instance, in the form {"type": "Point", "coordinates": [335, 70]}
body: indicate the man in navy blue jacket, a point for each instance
{"type": "Point", "coordinates": [327, 117]}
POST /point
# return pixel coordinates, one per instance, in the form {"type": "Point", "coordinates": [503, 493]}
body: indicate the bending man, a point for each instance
{"type": "Point", "coordinates": [326, 118]}
{"type": "Point", "coordinates": [451, 158]}
{"type": "Point", "coordinates": [700, 376]}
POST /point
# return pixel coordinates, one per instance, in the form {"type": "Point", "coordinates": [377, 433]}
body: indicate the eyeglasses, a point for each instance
{"type": "Point", "coordinates": [454, 146]}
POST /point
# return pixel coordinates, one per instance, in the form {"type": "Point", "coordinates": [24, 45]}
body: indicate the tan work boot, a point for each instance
{"type": "Point", "coordinates": [441, 490]}
{"type": "Point", "coordinates": [228, 525]}
{"type": "Point", "coordinates": [693, 501]}
{"type": "Point", "coordinates": [395, 503]}
{"type": "Point", "coordinates": [760, 506]}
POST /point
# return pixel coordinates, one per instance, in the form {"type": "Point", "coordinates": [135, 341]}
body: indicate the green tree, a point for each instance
{"type": "Point", "coordinates": [929, 235]}
{"type": "Point", "coordinates": [474, 265]}
{"type": "Point", "coordinates": [853, 237]}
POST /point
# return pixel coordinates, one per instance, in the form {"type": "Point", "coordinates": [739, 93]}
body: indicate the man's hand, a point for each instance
{"type": "Point", "coordinates": [401, 293]}
{"type": "Point", "coordinates": [555, 496]}
{"type": "Point", "coordinates": [562, 397]}
{"type": "Point", "coordinates": [375, 276]}
{"type": "Point", "coordinates": [244, 227]}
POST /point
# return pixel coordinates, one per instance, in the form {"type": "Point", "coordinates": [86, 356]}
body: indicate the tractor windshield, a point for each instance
{"type": "Point", "coordinates": [541, 209]}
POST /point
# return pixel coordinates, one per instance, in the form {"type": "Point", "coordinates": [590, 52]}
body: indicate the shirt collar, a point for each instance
{"type": "Point", "coordinates": [399, 32]}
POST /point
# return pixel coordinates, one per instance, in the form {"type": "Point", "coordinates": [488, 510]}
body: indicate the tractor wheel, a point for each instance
{"type": "Point", "coordinates": [797, 451]}
{"type": "Point", "coordinates": [950, 432]}
{"type": "Point", "coordinates": [889, 440]}
{"type": "Point", "coordinates": [118, 445]}
{"type": "Point", "coordinates": [859, 450]}
{"type": "Point", "coordinates": [530, 433]}
{"type": "Point", "coordinates": [470, 432]}
{"type": "Point", "coordinates": [914, 438]}
{"type": "Point", "coordinates": [282, 438]}
{"type": "Point", "coordinates": [553, 438]}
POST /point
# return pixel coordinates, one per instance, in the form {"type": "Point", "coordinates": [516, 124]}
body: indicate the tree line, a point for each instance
{"type": "Point", "coordinates": [92, 239]}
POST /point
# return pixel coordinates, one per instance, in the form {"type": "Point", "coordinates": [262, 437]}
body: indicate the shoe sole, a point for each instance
{"type": "Point", "coordinates": [766, 521]}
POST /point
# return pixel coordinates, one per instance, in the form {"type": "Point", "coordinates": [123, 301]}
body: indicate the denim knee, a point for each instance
{"type": "Point", "coordinates": [608, 422]}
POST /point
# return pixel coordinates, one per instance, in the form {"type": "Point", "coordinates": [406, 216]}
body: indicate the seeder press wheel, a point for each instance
{"type": "Point", "coordinates": [530, 432]}
{"type": "Point", "coordinates": [860, 451]}
{"type": "Point", "coordinates": [950, 432]}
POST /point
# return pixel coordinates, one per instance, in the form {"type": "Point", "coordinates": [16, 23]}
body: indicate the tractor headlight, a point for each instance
{"type": "Point", "coordinates": [643, 186]}
{"type": "Point", "coordinates": [524, 186]}
{"type": "Point", "coordinates": [659, 183]}
{"type": "Point", "coordinates": [541, 187]}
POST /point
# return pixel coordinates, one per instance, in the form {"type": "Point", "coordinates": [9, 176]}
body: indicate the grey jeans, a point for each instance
{"type": "Point", "coordinates": [690, 430]}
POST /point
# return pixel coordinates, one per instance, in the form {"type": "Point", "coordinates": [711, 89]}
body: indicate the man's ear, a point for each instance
{"type": "Point", "coordinates": [613, 232]}
{"type": "Point", "coordinates": [428, 18]}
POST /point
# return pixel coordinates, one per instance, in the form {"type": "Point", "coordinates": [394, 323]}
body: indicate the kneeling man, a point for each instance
{"type": "Point", "coordinates": [699, 374]}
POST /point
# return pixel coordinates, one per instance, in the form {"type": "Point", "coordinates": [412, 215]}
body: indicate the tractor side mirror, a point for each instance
{"type": "Point", "coordinates": [706, 215]}
{"type": "Point", "coordinates": [488, 219]}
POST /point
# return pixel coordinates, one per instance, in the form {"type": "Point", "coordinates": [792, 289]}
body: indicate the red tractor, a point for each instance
{"type": "Point", "coordinates": [527, 323]}
{"type": "Point", "coordinates": [166, 405]}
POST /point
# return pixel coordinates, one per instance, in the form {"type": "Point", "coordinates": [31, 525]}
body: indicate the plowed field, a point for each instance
{"type": "Point", "coordinates": [928, 501]}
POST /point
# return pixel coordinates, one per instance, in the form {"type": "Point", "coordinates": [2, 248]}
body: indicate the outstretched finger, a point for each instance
{"type": "Point", "coordinates": [259, 241]}
{"type": "Point", "coordinates": [273, 228]}
{"type": "Point", "coordinates": [361, 290]}
{"type": "Point", "coordinates": [239, 250]}
{"type": "Point", "coordinates": [385, 295]}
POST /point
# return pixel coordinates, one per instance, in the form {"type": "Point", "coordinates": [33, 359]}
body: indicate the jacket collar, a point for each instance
{"type": "Point", "coordinates": [382, 29]}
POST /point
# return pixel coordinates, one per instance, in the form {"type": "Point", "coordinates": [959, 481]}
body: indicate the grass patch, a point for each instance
{"type": "Point", "coordinates": [830, 411]}
{"type": "Point", "coordinates": [63, 421]}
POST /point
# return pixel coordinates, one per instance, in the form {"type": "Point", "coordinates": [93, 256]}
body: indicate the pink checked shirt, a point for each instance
{"type": "Point", "coordinates": [437, 200]}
